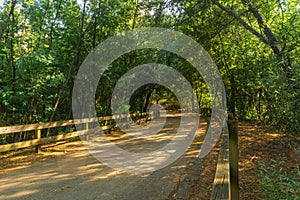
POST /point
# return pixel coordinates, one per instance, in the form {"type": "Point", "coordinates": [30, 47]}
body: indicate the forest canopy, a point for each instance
{"type": "Point", "coordinates": [255, 45]}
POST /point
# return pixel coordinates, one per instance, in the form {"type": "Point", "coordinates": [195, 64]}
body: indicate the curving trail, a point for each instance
{"type": "Point", "coordinates": [80, 176]}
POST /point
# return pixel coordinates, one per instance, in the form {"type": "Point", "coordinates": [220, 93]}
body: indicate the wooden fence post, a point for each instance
{"type": "Point", "coordinates": [156, 114]}
{"type": "Point", "coordinates": [38, 135]}
{"type": "Point", "coordinates": [233, 158]}
{"type": "Point", "coordinates": [87, 128]}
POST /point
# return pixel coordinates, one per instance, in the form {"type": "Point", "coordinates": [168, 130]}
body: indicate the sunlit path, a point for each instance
{"type": "Point", "coordinates": [79, 175]}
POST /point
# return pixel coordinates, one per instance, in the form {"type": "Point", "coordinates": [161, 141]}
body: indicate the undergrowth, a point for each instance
{"type": "Point", "coordinates": [278, 182]}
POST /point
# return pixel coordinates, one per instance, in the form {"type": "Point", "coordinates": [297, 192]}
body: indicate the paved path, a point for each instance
{"type": "Point", "coordinates": [80, 176]}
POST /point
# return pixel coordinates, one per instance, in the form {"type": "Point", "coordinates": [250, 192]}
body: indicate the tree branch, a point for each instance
{"type": "Point", "coordinates": [267, 31]}
{"type": "Point", "coordinates": [242, 22]}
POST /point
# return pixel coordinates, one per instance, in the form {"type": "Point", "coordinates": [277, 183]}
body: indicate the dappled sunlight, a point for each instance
{"type": "Point", "coordinates": [65, 167]}
{"type": "Point", "coordinates": [92, 169]}
{"type": "Point", "coordinates": [260, 145]}
{"type": "Point", "coordinates": [105, 176]}
{"type": "Point", "coordinates": [179, 167]}
{"type": "Point", "coordinates": [148, 143]}
{"type": "Point", "coordinates": [14, 168]}
{"type": "Point", "coordinates": [90, 166]}
{"type": "Point", "coordinates": [192, 153]}
{"type": "Point", "coordinates": [21, 194]}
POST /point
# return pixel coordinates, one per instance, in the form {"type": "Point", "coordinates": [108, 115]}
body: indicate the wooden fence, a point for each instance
{"type": "Point", "coordinates": [225, 184]}
{"type": "Point", "coordinates": [38, 127]}
{"type": "Point", "coordinates": [39, 140]}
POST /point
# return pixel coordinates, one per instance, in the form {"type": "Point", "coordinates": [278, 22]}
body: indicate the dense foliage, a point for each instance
{"type": "Point", "coordinates": [254, 44]}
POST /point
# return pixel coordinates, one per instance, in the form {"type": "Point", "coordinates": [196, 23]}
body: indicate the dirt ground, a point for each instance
{"type": "Point", "coordinates": [68, 170]}
{"type": "Point", "coordinates": [257, 144]}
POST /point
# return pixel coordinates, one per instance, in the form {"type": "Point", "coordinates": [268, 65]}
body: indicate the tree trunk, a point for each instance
{"type": "Point", "coordinates": [95, 16]}
{"type": "Point", "coordinates": [148, 96]}
{"type": "Point", "coordinates": [77, 53]}
{"type": "Point", "coordinates": [12, 60]}
{"type": "Point", "coordinates": [233, 89]}
{"type": "Point", "coordinates": [52, 25]}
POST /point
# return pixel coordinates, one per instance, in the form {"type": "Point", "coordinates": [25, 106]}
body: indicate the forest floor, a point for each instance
{"type": "Point", "coordinates": [258, 146]}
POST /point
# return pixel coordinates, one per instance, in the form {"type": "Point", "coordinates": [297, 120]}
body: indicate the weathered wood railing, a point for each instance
{"type": "Point", "coordinates": [39, 140]}
{"type": "Point", "coordinates": [225, 184]}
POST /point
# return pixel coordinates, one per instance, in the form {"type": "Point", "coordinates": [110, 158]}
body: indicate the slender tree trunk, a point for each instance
{"type": "Point", "coordinates": [132, 54]}
{"type": "Point", "coordinates": [12, 57]}
{"type": "Point", "coordinates": [147, 99]}
{"type": "Point", "coordinates": [52, 24]}
{"type": "Point", "coordinates": [233, 89]}
{"type": "Point", "coordinates": [259, 110]}
{"type": "Point", "coordinates": [135, 14]}
{"type": "Point", "coordinates": [96, 16]}
{"type": "Point", "coordinates": [75, 58]}
{"type": "Point", "coordinates": [12, 49]}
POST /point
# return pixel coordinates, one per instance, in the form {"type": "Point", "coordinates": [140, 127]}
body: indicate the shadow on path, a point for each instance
{"type": "Point", "coordinates": [79, 175]}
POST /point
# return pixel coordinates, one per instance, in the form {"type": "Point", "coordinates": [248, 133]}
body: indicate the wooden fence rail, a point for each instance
{"type": "Point", "coordinates": [39, 140]}
{"type": "Point", "coordinates": [225, 184]}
